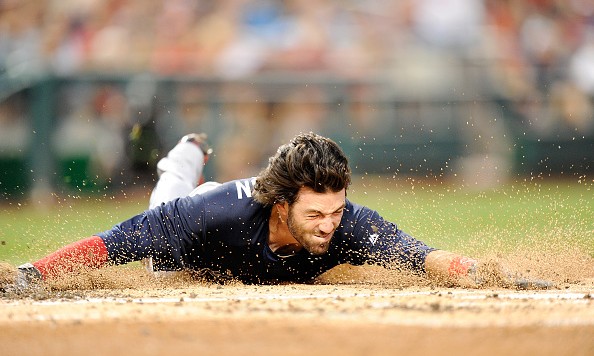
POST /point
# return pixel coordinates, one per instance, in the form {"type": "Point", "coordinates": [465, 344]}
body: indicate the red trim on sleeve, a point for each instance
{"type": "Point", "coordinates": [87, 253]}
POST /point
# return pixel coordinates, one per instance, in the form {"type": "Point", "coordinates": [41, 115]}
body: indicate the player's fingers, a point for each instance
{"type": "Point", "coordinates": [525, 283]}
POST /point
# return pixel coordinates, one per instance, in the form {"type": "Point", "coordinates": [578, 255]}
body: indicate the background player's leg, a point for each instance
{"type": "Point", "coordinates": [179, 173]}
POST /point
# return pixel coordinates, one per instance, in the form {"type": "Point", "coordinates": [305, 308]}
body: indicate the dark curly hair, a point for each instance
{"type": "Point", "coordinates": [308, 160]}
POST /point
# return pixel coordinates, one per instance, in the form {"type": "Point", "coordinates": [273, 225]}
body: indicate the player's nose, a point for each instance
{"type": "Point", "coordinates": [326, 225]}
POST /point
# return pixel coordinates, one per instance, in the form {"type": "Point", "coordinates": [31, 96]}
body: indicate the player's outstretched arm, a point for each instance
{"type": "Point", "coordinates": [468, 272]}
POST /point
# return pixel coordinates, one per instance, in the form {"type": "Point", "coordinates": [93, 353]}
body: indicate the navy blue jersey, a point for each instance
{"type": "Point", "coordinates": [226, 231]}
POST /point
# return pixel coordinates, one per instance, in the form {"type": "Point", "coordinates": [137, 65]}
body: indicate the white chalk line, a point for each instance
{"type": "Point", "coordinates": [460, 300]}
{"type": "Point", "coordinates": [468, 295]}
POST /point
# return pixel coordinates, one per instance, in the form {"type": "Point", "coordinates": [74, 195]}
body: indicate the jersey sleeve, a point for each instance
{"type": "Point", "coordinates": [168, 233]}
{"type": "Point", "coordinates": [376, 240]}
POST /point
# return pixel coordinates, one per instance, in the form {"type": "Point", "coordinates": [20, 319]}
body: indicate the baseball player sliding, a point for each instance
{"type": "Point", "coordinates": [292, 223]}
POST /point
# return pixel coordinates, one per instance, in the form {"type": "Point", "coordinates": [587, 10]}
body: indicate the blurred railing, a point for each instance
{"type": "Point", "coordinates": [96, 132]}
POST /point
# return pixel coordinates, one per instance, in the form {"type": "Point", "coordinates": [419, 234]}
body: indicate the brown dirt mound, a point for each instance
{"type": "Point", "coordinates": [7, 273]}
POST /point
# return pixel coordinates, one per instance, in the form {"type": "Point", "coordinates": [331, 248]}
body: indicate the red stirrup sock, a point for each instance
{"type": "Point", "coordinates": [90, 252]}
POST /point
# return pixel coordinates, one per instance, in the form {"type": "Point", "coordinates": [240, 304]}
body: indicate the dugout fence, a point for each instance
{"type": "Point", "coordinates": [93, 132]}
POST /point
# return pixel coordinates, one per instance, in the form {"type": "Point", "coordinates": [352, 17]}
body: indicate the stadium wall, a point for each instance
{"type": "Point", "coordinates": [94, 132]}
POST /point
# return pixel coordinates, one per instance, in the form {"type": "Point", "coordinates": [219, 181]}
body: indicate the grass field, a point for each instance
{"type": "Point", "coordinates": [350, 311]}
{"type": "Point", "coordinates": [444, 215]}
{"type": "Point", "coordinates": [455, 217]}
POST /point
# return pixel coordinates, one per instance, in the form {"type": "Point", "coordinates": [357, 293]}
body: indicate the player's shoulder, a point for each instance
{"type": "Point", "coordinates": [232, 202]}
{"type": "Point", "coordinates": [357, 215]}
{"type": "Point", "coordinates": [239, 189]}
{"type": "Point", "coordinates": [354, 210]}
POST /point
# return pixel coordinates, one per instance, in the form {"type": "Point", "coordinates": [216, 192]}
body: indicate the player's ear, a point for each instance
{"type": "Point", "coordinates": [283, 208]}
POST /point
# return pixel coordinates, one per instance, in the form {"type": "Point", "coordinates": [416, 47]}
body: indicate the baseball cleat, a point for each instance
{"type": "Point", "coordinates": [199, 140]}
{"type": "Point", "coordinates": [183, 161]}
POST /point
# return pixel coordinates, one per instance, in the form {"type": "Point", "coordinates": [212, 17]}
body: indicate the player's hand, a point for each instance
{"type": "Point", "coordinates": [20, 280]}
{"type": "Point", "coordinates": [493, 274]}
{"type": "Point", "coordinates": [528, 283]}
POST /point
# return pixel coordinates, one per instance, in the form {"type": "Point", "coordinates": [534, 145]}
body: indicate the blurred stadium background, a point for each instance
{"type": "Point", "coordinates": [93, 92]}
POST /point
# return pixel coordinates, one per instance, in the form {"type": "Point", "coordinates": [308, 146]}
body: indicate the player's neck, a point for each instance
{"type": "Point", "coordinates": [280, 239]}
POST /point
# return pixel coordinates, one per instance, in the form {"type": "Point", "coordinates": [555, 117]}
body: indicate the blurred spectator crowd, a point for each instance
{"type": "Point", "coordinates": [234, 38]}
{"type": "Point", "coordinates": [539, 54]}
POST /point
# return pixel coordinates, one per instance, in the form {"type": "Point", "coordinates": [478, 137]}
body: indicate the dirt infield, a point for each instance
{"type": "Point", "coordinates": [334, 316]}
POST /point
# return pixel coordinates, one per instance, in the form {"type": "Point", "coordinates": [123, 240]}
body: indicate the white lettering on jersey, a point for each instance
{"type": "Point", "coordinates": [244, 188]}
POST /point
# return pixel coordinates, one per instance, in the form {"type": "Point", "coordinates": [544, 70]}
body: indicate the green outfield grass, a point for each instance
{"type": "Point", "coordinates": [29, 232]}
{"type": "Point", "coordinates": [465, 219]}
{"type": "Point", "coordinates": [444, 215]}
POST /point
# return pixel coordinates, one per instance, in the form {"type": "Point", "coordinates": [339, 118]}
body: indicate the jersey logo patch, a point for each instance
{"type": "Point", "coordinates": [373, 236]}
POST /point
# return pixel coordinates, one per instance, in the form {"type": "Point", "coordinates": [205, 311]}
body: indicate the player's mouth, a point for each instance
{"type": "Point", "coordinates": [324, 238]}
{"type": "Point", "coordinates": [320, 244]}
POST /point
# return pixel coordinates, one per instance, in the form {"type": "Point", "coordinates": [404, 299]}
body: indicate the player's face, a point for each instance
{"type": "Point", "coordinates": [314, 217]}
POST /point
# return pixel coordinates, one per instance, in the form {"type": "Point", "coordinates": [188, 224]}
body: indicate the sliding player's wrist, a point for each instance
{"type": "Point", "coordinates": [464, 268]}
